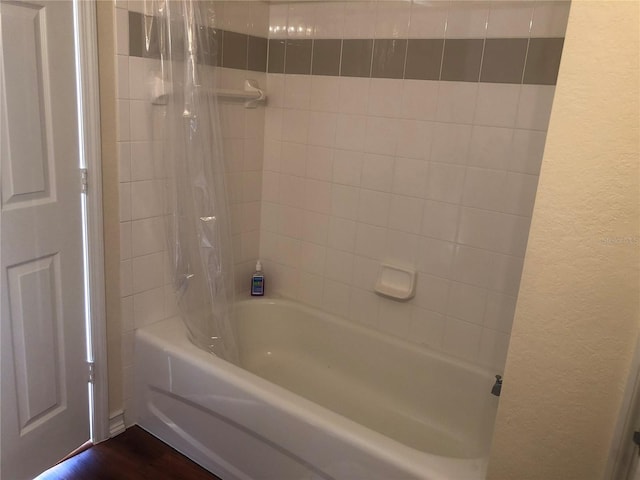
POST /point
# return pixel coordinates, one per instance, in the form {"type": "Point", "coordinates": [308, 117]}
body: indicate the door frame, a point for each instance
{"type": "Point", "coordinates": [87, 64]}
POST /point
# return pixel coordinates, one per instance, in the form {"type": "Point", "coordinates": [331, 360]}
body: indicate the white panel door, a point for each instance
{"type": "Point", "coordinates": [44, 404]}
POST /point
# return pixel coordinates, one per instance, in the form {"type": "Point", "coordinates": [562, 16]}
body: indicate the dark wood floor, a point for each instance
{"type": "Point", "coordinates": [134, 454]}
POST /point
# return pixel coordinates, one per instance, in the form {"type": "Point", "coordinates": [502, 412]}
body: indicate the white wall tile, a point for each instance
{"type": "Point", "coordinates": [336, 298]}
{"type": "Point", "coordinates": [445, 182]}
{"type": "Point", "coordinates": [344, 201]}
{"type": "Point", "coordinates": [510, 19]}
{"type": "Point", "coordinates": [360, 19]}
{"type": "Point", "coordinates": [467, 302]}
{"type": "Point", "coordinates": [377, 172]}
{"type": "Point", "coordinates": [534, 107]}
{"type": "Point", "coordinates": [312, 257]}
{"type": "Point", "coordinates": [146, 200]}
{"type": "Point", "coordinates": [289, 220]}
{"type": "Point", "coordinates": [435, 256]}
{"type": "Point", "coordinates": [339, 266]}
{"type": "Point", "coordinates": [124, 161]}
{"type": "Point", "coordinates": [322, 128]}
{"type": "Point", "coordinates": [432, 292]}
{"type": "Point", "coordinates": [141, 121]}
{"type": "Point", "coordinates": [485, 188]}
{"type": "Point", "coordinates": [122, 31]}
{"type": "Point", "coordinates": [381, 135]}
{"type": "Point", "coordinates": [394, 318]}
{"type": "Point", "coordinates": [498, 232]}
{"type": "Point", "coordinates": [470, 265]}
{"type": "Point", "coordinates": [499, 312]}
{"type": "Point", "coordinates": [124, 203]}
{"type": "Point", "coordinates": [278, 19]}
{"type": "Point", "coordinates": [526, 151]}
{"type": "Point", "coordinates": [297, 91]}
{"type": "Point", "coordinates": [295, 125]}
{"type": "Point", "coordinates": [123, 122]}
{"type": "Point", "coordinates": [461, 339]}
{"type": "Point", "coordinates": [365, 272]}
{"type": "Point", "coordinates": [410, 177]}
{"type": "Point", "coordinates": [314, 227]}
{"type": "Point", "coordinates": [490, 147]}
{"type": "Point", "coordinates": [125, 240]}
{"type": "Point", "coordinates": [142, 164]}
{"type": "Point", "coordinates": [428, 19]}
{"type": "Point", "coordinates": [520, 193]}
{"type": "Point", "coordinates": [311, 289]}
{"type": "Point", "coordinates": [148, 307]}
{"type": "Point", "coordinates": [122, 84]}
{"type": "Point", "coordinates": [467, 19]}
{"type": "Point", "coordinates": [497, 104]}
{"type": "Point", "coordinates": [420, 99]}
{"type": "Point", "coordinates": [401, 249]}
{"type": "Point", "coordinates": [371, 241]}
{"type": "Point", "coordinates": [505, 274]}
{"type": "Point", "coordinates": [350, 131]}
{"type": "Point", "coordinates": [427, 327]}
{"type": "Point", "coordinates": [293, 159]}
{"type": "Point", "coordinates": [440, 220]}
{"type": "Point", "coordinates": [342, 234]}
{"type": "Point", "coordinates": [364, 307]}
{"type": "Point", "coordinates": [324, 93]}
{"type": "Point", "coordinates": [405, 213]}
{"type": "Point", "coordinates": [301, 20]}
{"type": "Point", "coordinates": [392, 19]}
{"type": "Point", "coordinates": [493, 349]}
{"type": "Point", "coordinates": [414, 139]}
{"type": "Point", "coordinates": [550, 18]}
{"type": "Point", "coordinates": [373, 207]}
{"type": "Point", "coordinates": [353, 95]}
{"type": "Point", "coordinates": [147, 272]}
{"type": "Point", "coordinates": [347, 167]}
{"type": "Point", "coordinates": [385, 97]}
{"type": "Point", "coordinates": [147, 236]}
{"type": "Point", "coordinates": [329, 20]}
{"type": "Point", "coordinates": [451, 143]}
{"type": "Point", "coordinates": [317, 196]}
{"type": "Point", "coordinates": [456, 102]}
{"type": "Point", "coordinates": [319, 163]}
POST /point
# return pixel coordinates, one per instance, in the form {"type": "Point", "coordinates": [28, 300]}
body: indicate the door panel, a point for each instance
{"type": "Point", "coordinates": [44, 403]}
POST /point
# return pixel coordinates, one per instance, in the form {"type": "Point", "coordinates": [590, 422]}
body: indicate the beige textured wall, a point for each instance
{"type": "Point", "coordinates": [577, 317]}
{"type": "Point", "coordinates": [106, 55]}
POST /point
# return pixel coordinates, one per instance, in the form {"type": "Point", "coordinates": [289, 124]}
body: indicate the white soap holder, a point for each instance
{"type": "Point", "coordinates": [396, 282]}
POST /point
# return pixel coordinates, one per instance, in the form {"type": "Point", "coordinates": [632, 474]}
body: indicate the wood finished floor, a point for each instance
{"type": "Point", "coordinates": [132, 455]}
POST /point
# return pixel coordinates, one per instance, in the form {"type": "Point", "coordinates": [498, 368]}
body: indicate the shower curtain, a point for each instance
{"type": "Point", "coordinates": [191, 169]}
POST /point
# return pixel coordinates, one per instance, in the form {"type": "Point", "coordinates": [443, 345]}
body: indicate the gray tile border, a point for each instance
{"type": "Point", "coordinates": [503, 60]}
{"type": "Point", "coordinates": [257, 54]}
{"type": "Point", "coordinates": [424, 59]}
{"type": "Point", "coordinates": [326, 57]}
{"type": "Point", "coordinates": [461, 60]}
{"type": "Point", "coordinates": [388, 58]}
{"type": "Point", "coordinates": [494, 60]}
{"type": "Point", "coordinates": [543, 61]}
{"type": "Point", "coordinates": [356, 57]}
{"type": "Point", "coordinates": [298, 56]}
{"type": "Point", "coordinates": [275, 60]}
{"type": "Point", "coordinates": [234, 50]}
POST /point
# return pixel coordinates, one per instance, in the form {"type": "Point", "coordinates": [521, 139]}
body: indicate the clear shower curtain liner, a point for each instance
{"type": "Point", "coordinates": [191, 170]}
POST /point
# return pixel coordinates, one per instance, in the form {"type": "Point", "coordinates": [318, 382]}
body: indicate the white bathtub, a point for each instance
{"type": "Point", "coordinates": [316, 398]}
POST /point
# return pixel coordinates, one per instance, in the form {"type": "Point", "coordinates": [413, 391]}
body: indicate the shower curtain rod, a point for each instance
{"type": "Point", "coordinates": [252, 93]}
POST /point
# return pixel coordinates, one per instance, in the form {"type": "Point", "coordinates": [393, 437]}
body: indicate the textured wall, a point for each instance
{"type": "Point", "coordinates": [577, 316]}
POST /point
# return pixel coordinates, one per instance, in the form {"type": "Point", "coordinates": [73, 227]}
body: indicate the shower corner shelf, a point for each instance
{"type": "Point", "coordinates": [396, 283]}
{"type": "Point", "coordinates": [252, 93]}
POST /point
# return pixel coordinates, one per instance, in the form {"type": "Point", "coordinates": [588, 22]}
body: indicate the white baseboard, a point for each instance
{"type": "Point", "coordinates": [116, 423]}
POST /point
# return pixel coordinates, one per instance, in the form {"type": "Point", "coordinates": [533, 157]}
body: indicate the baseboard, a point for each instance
{"type": "Point", "coordinates": [116, 423]}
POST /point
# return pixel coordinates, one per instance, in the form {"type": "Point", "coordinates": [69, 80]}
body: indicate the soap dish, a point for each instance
{"type": "Point", "coordinates": [396, 282]}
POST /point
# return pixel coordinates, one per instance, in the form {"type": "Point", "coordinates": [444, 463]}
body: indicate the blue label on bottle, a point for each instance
{"type": "Point", "coordinates": [257, 285]}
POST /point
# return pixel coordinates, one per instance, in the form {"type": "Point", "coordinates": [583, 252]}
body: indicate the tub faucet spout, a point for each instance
{"type": "Point", "coordinates": [497, 387]}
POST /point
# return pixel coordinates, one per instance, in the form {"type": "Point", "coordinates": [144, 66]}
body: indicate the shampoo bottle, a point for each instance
{"type": "Point", "coordinates": [257, 281]}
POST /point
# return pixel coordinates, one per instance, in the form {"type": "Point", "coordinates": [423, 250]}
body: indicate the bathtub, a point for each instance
{"type": "Point", "coordinates": [316, 397]}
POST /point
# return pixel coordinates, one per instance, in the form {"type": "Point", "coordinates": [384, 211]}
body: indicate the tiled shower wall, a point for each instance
{"type": "Point", "coordinates": [409, 134]}
{"type": "Point", "coordinates": [146, 296]}
{"type": "Point", "coordinates": [396, 132]}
